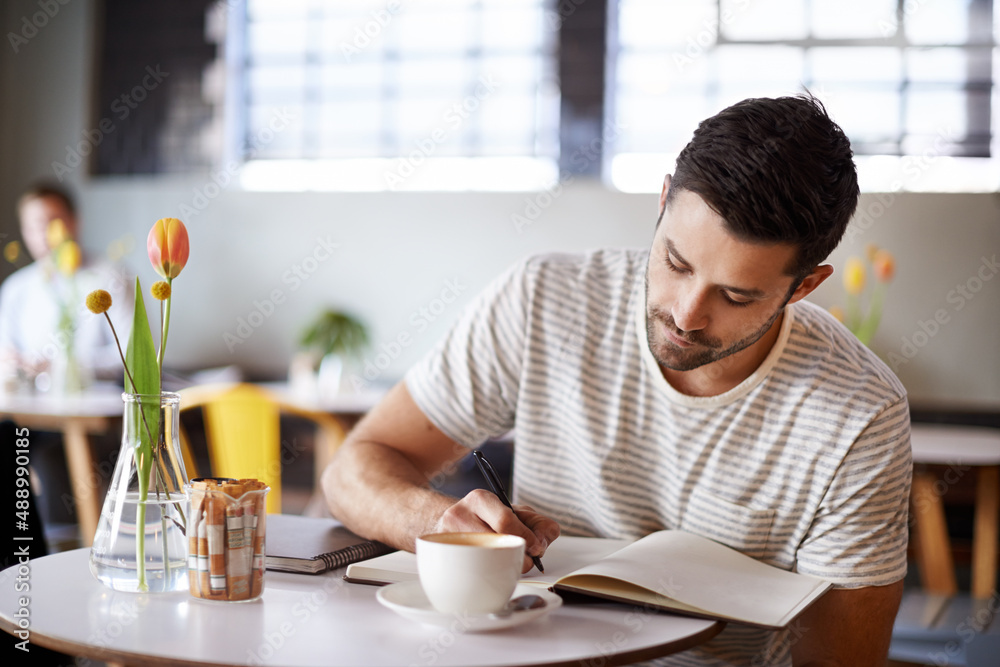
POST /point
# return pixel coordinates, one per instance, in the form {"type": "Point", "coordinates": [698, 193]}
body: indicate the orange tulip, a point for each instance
{"type": "Point", "coordinates": [854, 276]}
{"type": "Point", "coordinates": [167, 245]}
{"type": "Point", "coordinates": [884, 265]}
{"type": "Point", "coordinates": [838, 313]}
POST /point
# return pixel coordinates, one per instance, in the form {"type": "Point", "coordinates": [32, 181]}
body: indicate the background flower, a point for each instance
{"type": "Point", "coordinates": [854, 276]}
{"type": "Point", "coordinates": [12, 251]}
{"type": "Point", "coordinates": [56, 233]}
{"type": "Point", "coordinates": [883, 265]}
{"type": "Point", "coordinates": [67, 257]}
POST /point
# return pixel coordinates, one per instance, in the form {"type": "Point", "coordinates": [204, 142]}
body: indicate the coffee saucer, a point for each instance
{"type": "Point", "coordinates": [407, 599]}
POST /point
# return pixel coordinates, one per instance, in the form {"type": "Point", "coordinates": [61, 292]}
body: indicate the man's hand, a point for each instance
{"type": "Point", "coordinates": [481, 511]}
{"type": "Point", "coordinates": [378, 483]}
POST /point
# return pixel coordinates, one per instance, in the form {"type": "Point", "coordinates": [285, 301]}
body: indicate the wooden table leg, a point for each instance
{"type": "Point", "coordinates": [78, 460]}
{"type": "Point", "coordinates": [984, 541]}
{"type": "Point", "coordinates": [937, 568]}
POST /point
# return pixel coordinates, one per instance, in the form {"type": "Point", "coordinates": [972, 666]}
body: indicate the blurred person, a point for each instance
{"type": "Point", "coordinates": [42, 310]}
{"type": "Point", "coordinates": [43, 316]}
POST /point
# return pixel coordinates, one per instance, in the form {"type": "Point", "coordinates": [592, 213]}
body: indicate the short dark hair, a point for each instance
{"type": "Point", "coordinates": [777, 171]}
{"type": "Point", "coordinates": [45, 190]}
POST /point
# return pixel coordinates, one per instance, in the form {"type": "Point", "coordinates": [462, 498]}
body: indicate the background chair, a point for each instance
{"type": "Point", "coordinates": [243, 436]}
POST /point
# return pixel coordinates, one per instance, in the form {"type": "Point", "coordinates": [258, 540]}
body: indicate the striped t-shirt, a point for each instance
{"type": "Point", "coordinates": [805, 465]}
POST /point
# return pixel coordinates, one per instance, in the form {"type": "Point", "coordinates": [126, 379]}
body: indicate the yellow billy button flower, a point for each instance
{"type": "Point", "coordinates": [160, 290]}
{"type": "Point", "coordinates": [854, 276]}
{"type": "Point", "coordinates": [98, 301]}
{"type": "Point", "coordinates": [167, 245]}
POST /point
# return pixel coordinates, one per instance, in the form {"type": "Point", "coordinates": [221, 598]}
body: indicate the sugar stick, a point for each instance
{"type": "Point", "coordinates": [249, 534]}
{"type": "Point", "coordinates": [216, 545]}
{"type": "Point", "coordinates": [237, 567]}
{"type": "Point", "coordinates": [202, 573]}
{"type": "Point", "coordinates": [192, 533]}
{"type": "Point", "coordinates": [260, 527]}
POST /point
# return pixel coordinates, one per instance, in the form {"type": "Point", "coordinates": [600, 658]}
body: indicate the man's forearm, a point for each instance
{"type": "Point", "coordinates": [377, 493]}
{"type": "Point", "coordinates": [380, 483]}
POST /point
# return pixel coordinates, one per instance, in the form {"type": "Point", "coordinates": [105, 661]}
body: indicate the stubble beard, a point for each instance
{"type": "Point", "coordinates": [705, 349]}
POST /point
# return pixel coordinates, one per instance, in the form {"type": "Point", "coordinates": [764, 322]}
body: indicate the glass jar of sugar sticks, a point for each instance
{"type": "Point", "coordinates": [227, 522]}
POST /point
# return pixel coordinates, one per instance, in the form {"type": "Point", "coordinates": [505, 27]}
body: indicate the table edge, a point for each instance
{"type": "Point", "coordinates": [103, 654]}
{"type": "Point", "coordinates": [140, 659]}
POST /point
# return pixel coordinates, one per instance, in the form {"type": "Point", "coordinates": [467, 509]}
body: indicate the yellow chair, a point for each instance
{"type": "Point", "coordinates": [243, 434]}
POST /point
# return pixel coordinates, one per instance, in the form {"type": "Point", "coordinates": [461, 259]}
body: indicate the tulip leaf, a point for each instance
{"type": "Point", "coordinates": [141, 352]}
{"type": "Point", "coordinates": [140, 360]}
{"type": "Point", "coordinates": [140, 357]}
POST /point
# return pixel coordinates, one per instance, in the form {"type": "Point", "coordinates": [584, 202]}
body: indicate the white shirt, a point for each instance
{"type": "Point", "coordinates": [34, 300]}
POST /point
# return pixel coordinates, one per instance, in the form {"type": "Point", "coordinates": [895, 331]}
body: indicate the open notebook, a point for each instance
{"type": "Point", "coordinates": [670, 570]}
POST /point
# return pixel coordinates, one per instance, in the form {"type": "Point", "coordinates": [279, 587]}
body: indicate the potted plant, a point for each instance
{"type": "Point", "coordinates": [327, 343]}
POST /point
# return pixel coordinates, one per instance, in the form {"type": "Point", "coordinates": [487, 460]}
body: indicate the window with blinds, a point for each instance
{"type": "Point", "coordinates": [912, 82]}
{"type": "Point", "coordinates": [440, 94]}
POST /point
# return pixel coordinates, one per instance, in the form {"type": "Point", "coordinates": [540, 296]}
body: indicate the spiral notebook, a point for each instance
{"type": "Point", "coordinates": [307, 545]}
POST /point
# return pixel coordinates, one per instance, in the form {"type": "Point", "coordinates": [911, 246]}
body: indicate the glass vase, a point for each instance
{"type": "Point", "coordinates": [140, 543]}
{"type": "Point", "coordinates": [69, 377]}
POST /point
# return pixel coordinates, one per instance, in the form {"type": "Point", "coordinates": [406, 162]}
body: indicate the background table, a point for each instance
{"type": "Point", "coordinates": [965, 450]}
{"type": "Point", "coordinates": [347, 407]}
{"type": "Point", "coordinates": [76, 417]}
{"type": "Point", "coordinates": [936, 622]}
{"type": "Point", "coordinates": [92, 412]}
{"type": "Point", "coordinates": [310, 621]}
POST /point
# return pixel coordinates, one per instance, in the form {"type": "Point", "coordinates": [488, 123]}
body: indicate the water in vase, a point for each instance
{"type": "Point", "coordinates": [114, 555]}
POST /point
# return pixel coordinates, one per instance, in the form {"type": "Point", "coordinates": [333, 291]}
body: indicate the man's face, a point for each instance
{"type": "Point", "coordinates": [709, 295]}
{"type": "Point", "coordinates": [36, 214]}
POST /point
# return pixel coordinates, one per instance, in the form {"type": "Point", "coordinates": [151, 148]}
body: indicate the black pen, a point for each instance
{"type": "Point", "coordinates": [497, 487]}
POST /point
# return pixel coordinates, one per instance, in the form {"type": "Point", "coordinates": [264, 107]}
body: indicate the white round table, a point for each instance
{"type": "Point", "coordinates": [305, 621]}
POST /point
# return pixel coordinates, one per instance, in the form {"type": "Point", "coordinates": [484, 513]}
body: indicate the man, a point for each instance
{"type": "Point", "coordinates": [689, 387]}
{"type": "Point", "coordinates": [42, 310]}
{"type": "Point", "coordinates": [42, 314]}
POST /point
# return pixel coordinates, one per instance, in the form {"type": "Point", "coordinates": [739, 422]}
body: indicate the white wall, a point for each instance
{"type": "Point", "coordinates": [947, 248]}
{"type": "Point", "coordinates": [396, 253]}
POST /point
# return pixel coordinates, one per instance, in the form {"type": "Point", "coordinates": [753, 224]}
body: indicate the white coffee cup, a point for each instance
{"type": "Point", "coordinates": [469, 572]}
